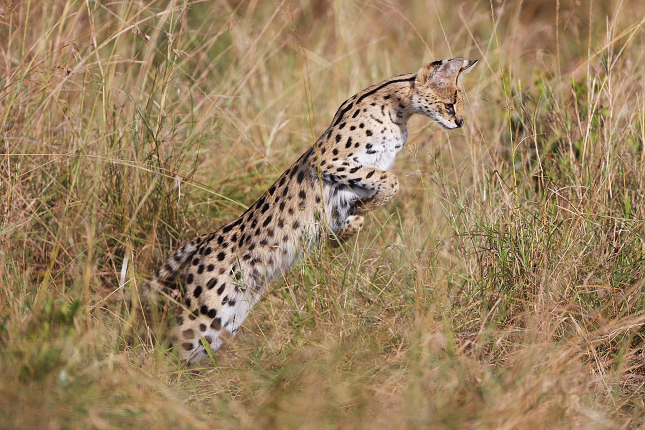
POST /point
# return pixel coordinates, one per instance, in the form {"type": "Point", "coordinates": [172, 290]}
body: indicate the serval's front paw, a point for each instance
{"type": "Point", "coordinates": [353, 224]}
{"type": "Point", "coordinates": [388, 186]}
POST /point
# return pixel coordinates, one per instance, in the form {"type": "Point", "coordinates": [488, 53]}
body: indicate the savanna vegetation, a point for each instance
{"type": "Point", "coordinates": [503, 287]}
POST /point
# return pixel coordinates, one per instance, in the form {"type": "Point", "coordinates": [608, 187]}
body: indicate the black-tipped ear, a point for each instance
{"type": "Point", "coordinates": [467, 67]}
{"type": "Point", "coordinates": [440, 74]}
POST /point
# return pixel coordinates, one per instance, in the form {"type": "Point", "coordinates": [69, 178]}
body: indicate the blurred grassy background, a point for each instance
{"type": "Point", "coordinates": [502, 287]}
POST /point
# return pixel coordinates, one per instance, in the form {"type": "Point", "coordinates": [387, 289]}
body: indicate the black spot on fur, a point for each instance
{"type": "Point", "coordinates": [189, 278]}
{"type": "Point", "coordinates": [211, 283]}
{"type": "Point", "coordinates": [220, 290]}
{"type": "Point", "coordinates": [221, 256]}
{"type": "Point", "coordinates": [260, 201]}
{"type": "Point", "coordinates": [197, 291]}
{"type": "Point", "coordinates": [211, 314]}
{"type": "Point", "coordinates": [216, 324]}
{"type": "Point", "coordinates": [340, 115]}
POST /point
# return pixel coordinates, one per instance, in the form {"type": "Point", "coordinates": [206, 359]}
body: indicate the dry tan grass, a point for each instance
{"type": "Point", "coordinates": [502, 288]}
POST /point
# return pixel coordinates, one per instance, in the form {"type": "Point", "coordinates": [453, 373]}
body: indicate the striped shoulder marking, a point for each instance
{"type": "Point", "coordinates": [385, 84]}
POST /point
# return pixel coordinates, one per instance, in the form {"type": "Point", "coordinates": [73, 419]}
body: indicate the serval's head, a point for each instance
{"type": "Point", "coordinates": [437, 91]}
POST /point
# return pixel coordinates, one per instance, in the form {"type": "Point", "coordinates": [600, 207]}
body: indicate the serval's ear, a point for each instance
{"type": "Point", "coordinates": [425, 73]}
{"type": "Point", "coordinates": [467, 67]}
{"type": "Point", "coordinates": [440, 74]}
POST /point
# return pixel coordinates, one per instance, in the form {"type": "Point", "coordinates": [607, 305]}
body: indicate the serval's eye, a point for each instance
{"type": "Point", "coordinates": [450, 108]}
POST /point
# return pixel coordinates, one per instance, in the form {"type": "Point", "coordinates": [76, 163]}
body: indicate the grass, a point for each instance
{"type": "Point", "coordinates": [503, 287]}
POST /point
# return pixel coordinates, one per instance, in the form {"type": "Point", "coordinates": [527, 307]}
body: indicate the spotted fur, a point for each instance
{"type": "Point", "coordinates": [325, 194]}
